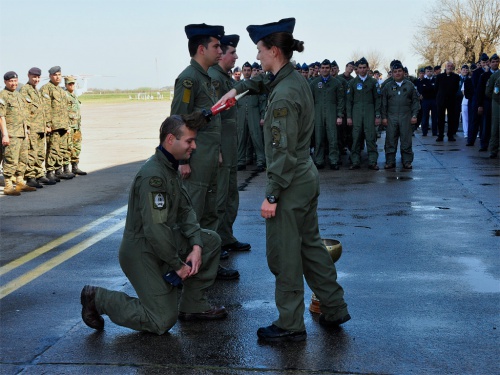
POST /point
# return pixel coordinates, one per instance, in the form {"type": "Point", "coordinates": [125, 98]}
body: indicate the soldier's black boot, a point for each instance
{"type": "Point", "coordinates": [51, 176]}
{"type": "Point", "coordinates": [68, 171]}
{"type": "Point", "coordinates": [77, 170]}
{"type": "Point", "coordinates": [63, 176]}
{"type": "Point", "coordinates": [44, 180]}
{"type": "Point", "coordinates": [34, 183]}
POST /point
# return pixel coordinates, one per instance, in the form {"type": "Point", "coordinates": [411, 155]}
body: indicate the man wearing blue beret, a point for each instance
{"type": "Point", "coordinates": [194, 91]}
{"type": "Point", "coordinates": [227, 182]}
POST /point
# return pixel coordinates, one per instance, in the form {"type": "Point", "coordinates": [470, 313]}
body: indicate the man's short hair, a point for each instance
{"type": "Point", "coordinates": [172, 124]}
{"type": "Point", "coordinates": [196, 41]}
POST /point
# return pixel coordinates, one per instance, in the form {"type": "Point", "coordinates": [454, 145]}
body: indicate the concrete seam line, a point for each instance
{"type": "Point", "coordinates": [58, 241]}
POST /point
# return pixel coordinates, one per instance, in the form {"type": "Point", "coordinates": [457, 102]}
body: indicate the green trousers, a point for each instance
{"type": "Point", "coordinates": [364, 123]}
{"type": "Point", "coordinates": [76, 145]}
{"type": "Point", "coordinates": [399, 127]}
{"type": "Point", "coordinates": [156, 308]}
{"type": "Point", "coordinates": [202, 184]}
{"type": "Point", "coordinates": [36, 156]}
{"type": "Point", "coordinates": [15, 157]}
{"type": "Point", "coordinates": [325, 133]}
{"type": "Point", "coordinates": [295, 250]}
{"type": "Point", "coordinates": [228, 198]}
{"type": "Point", "coordinates": [58, 153]}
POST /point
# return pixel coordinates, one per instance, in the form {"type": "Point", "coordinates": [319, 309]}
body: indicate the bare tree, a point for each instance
{"type": "Point", "coordinates": [374, 58]}
{"type": "Point", "coordinates": [459, 30]}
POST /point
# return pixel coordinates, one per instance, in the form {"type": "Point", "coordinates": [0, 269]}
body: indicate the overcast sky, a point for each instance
{"type": "Point", "coordinates": [141, 43]}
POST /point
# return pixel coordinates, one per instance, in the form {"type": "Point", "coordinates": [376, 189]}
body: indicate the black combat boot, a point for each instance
{"type": "Point", "coordinates": [44, 180]}
{"type": "Point", "coordinates": [51, 176]}
{"type": "Point", "coordinates": [68, 171]}
{"type": "Point", "coordinates": [34, 183]}
{"type": "Point", "coordinates": [63, 176]}
{"type": "Point", "coordinates": [77, 170]}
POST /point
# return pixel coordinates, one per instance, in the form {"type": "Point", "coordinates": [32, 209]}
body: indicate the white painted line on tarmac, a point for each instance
{"type": "Point", "coordinates": [59, 241]}
{"type": "Point", "coordinates": [57, 260]}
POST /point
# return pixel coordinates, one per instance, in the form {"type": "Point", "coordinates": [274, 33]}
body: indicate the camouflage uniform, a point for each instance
{"type": "Point", "coordinates": [57, 119]}
{"type": "Point", "coordinates": [36, 117]}
{"type": "Point", "coordinates": [75, 122]}
{"type": "Point", "coordinates": [15, 155]}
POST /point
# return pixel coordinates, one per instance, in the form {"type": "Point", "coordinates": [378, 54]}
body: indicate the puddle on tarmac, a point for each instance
{"type": "Point", "coordinates": [477, 276]}
{"type": "Point", "coordinates": [399, 178]}
{"type": "Point", "coordinates": [417, 207]}
{"type": "Point", "coordinates": [257, 304]}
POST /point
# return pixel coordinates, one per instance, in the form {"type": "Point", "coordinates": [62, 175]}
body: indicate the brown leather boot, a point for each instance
{"type": "Point", "coordinates": [9, 187]}
{"type": "Point", "coordinates": [21, 186]}
{"type": "Point", "coordinates": [90, 315]}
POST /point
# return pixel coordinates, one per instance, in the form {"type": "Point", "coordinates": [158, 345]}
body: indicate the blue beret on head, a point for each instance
{"type": "Point", "coordinates": [465, 66]}
{"type": "Point", "coordinates": [326, 62]}
{"type": "Point", "coordinates": [361, 61]}
{"type": "Point", "coordinates": [437, 67]}
{"type": "Point", "coordinates": [494, 57]}
{"type": "Point", "coordinates": [350, 63]}
{"type": "Point", "coordinates": [255, 66]}
{"type": "Point", "coordinates": [396, 64]}
{"type": "Point", "coordinates": [54, 70]}
{"type": "Point", "coordinates": [297, 67]}
{"type": "Point", "coordinates": [428, 67]}
{"type": "Point", "coordinates": [473, 66]}
{"type": "Point", "coordinates": [421, 70]}
{"type": "Point", "coordinates": [9, 75]}
{"type": "Point", "coordinates": [230, 40]}
{"type": "Point", "coordinates": [334, 63]}
{"type": "Point", "coordinates": [304, 66]}
{"type": "Point", "coordinates": [203, 29]}
{"type": "Point", "coordinates": [484, 57]}
{"type": "Point", "coordinates": [35, 71]}
{"type": "Point", "coordinates": [258, 32]}
{"type": "Point", "coordinates": [247, 65]}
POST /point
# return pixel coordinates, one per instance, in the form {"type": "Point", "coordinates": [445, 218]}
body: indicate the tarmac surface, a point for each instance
{"type": "Point", "coordinates": [420, 268]}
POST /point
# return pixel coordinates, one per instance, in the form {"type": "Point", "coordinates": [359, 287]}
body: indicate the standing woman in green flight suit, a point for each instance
{"type": "Point", "coordinates": [293, 243]}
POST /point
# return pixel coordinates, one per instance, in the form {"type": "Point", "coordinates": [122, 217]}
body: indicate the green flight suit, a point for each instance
{"type": "Point", "coordinates": [15, 155]}
{"type": "Point", "coordinates": [36, 137]}
{"type": "Point", "coordinates": [344, 132]}
{"type": "Point", "coordinates": [160, 232]}
{"type": "Point", "coordinates": [328, 99]}
{"type": "Point", "coordinates": [399, 105]}
{"type": "Point", "coordinates": [362, 105]}
{"type": "Point", "coordinates": [57, 119]}
{"type": "Point", "coordinates": [293, 243]}
{"type": "Point", "coordinates": [493, 92]}
{"type": "Point", "coordinates": [75, 126]}
{"type": "Point", "coordinates": [250, 112]}
{"type": "Point", "coordinates": [194, 92]}
{"type": "Point", "coordinates": [228, 197]}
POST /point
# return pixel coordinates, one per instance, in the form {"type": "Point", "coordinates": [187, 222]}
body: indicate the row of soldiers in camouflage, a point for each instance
{"type": "Point", "coordinates": [41, 131]}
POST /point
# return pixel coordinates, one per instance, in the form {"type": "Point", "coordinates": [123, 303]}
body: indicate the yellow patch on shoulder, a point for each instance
{"type": "Point", "coordinates": [280, 112]}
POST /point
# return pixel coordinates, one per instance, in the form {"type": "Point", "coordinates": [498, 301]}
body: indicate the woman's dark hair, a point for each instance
{"type": "Point", "coordinates": [285, 42]}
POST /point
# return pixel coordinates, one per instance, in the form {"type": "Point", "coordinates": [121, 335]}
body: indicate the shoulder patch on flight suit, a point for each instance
{"type": "Point", "coordinates": [187, 83]}
{"type": "Point", "coordinates": [216, 84]}
{"type": "Point", "coordinates": [159, 200]}
{"type": "Point", "coordinates": [280, 112]}
{"type": "Point", "coordinates": [496, 90]}
{"type": "Point", "coordinates": [155, 181]}
{"type": "Point", "coordinates": [276, 134]}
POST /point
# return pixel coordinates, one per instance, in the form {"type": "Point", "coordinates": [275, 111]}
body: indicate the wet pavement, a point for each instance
{"type": "Point", "coordinates": [420, 269]}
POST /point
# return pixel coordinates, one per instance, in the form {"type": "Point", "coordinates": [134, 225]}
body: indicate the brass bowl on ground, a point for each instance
{"type": "Point", "coordinates": [334, 248]}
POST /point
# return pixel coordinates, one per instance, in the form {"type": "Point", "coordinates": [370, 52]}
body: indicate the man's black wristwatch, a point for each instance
{"type": "Point", "coordinates": [272, 199]}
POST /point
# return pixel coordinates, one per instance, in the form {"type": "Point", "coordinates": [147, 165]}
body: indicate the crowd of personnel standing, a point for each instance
{"type": "Point", "coordinates": [41, 131]}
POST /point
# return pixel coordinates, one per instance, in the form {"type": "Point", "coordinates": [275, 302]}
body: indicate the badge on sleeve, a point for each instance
{"type": "Point", "coordinates": [496, 90]}
{"type": "Point", "coordinates": [155, 182]}
{"type": "Point", "coordinates": [276, 135]}
{"type": "Point", "coordinates": [186, 94]}
{"type": "Point", "coordinates": [280, 112]}
{"type": "Point", "coordinates": [320, 85]}
{"type": "Point", "coordinates": [159, 201]}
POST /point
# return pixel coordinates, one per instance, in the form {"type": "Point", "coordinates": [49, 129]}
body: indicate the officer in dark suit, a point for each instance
{"type": "Point", "coordinates": [475, 119]}
{"type": "Point", "coordinates": [447, 84]}
{"type": "Point", "coordinates": [429, 102]}
{"type": "Point", "coordinates": [484, 103]}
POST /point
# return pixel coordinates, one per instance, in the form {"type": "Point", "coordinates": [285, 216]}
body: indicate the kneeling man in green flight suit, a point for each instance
{"type": "Point", "coordinates": [161, 236]}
